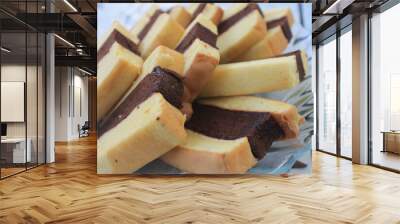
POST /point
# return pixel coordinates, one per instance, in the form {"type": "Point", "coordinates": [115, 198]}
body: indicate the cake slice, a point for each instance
{"type": "Point", "coordinates": [147, 122]}
{"type": "Point", "coordinates": [242, 26]}
{"type": "Point", "coordinates": [209, 10]}
{"type": "Point", "coordinates": [201, 56]}
{"type": "Point", "coordinates": [156, 29]}
{"type": "Point", "coordinates": [261, 50]}
{"type": "Point", "coordinates": [286, 115]}
{"type": "Point", "coordinates": [201, 28]}
{"type": "Point", "coordinates": [166, 58]}
{"type": "Point", "coordinates": [277, 14]}
{"type": "Point", "coordinates": [279, 24]}
{"type": "Point", "coordinates": [180, 15]}
{"type": "Point", "coordinates": [276, 40]}
{"type": "Point", "coordinates": [201, 154]}
{"type": "Point", "coordinates": [151, 129]}
{"type": "Point", "coordinates": [230, 134]}
{"type": "Point", "coordinates": [200, 61]}
{"type": "Point", "coordinates": [118, 64]}
{"type": "Point", "coordinates": [149, 17]}
{"type": "Point", "coordinates": [259, 76]}
{"type": "Point", "coordinates": [174, 61]}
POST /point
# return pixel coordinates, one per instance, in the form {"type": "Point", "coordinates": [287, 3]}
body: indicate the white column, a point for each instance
{"type": "Point", "coordinates": [314, 89]}
{"type": "Point", "coordinates": [50, 92]}
{"type": "Point", "coordinates": [360, 90]}
{"type": "Point", "coordinates": [50, 100]}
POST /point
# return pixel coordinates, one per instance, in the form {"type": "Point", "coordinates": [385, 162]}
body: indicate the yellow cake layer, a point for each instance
{"type": "Point", "coordinates": [120, 67]}
{"type": "Point", "coordinates": [241, 36]}
{"type": "Point", "coordinates": [201, 154]}
{"type": "Point", "coordinates": [258, 76]}
{"type": "Point", "coordinates": [150, 130]}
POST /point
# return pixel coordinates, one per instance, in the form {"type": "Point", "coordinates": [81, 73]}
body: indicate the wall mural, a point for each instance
{"type": "Point", "coordinates": [204, 88]}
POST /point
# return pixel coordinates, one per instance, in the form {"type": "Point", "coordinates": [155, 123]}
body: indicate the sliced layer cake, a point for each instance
{"type": "Point", "coordinates": [278, 22]}
{"type": "Point", "coordinates": [155, 29]}
{"type": "Point", "coordinates": [230, 134]}
{"type": "Point", "coordinates": [241, 27]}
{"type": "Point", "coordinates": [209, 10]}
{"type": "Point", "coordinates": [180, 15]}
{"type": "Point", "coordinates": [258, 76]}
{"type": "Point", "coordinates": [198, 45]}
{"type": "Point", "coordinates": [147, 122]}
{"type": "Point", "coordinates": [118, 64]}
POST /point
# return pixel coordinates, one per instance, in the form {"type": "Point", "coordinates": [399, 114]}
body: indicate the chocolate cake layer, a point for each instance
{"type": "Point", "coordinates": [197, 32]}
{"type": "Point", "coordinates": [299, 62]}
{"type": "Point", "coordinates": [229, 22]}
{"type": "Point", "coordinates": [198, 10]}
{"type": "Point", "coordinates": [118, 37]}
{"type": "Point", "coordinates": [284, 24]}
{"type": "Point", "coordinates": [159, 80]}
{"type": "Point", "coordinates": [260, 128]}
{"type": "Point", "coordinates": [142, 34]}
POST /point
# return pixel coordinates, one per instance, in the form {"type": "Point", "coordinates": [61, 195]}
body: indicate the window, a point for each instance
{"type": "Point", "coordinates": [394, 101]}
{"type": "Point", "coordinates": [346, 93]}
{"type": "Point", "coordinates": [22, 75]}
{"type": "Point", "coordinates": [334, 106]}
{"type": "Point", "coordinates": [385, 89]}
{"type": "Point", "coordinates": [327, 97]}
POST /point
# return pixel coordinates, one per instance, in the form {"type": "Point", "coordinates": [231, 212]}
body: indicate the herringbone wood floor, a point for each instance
{"type": "Point", "coordinates": [69, 191]}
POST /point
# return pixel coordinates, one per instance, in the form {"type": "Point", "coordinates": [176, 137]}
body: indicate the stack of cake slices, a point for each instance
{"type": "Point", "coordinates": [180, 85]}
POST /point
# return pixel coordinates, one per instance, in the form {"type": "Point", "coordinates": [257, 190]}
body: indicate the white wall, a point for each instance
{"type": "Point", "coordinates": [61, 103]}
{"type": "Point", "coordinates": [80, 84]}
{"type": "Point", "coordinates": [12, 73]}
{"type": "Point", "coordinates": [70, 83]}
{"type": "Point", "coordinates": [33, 127]}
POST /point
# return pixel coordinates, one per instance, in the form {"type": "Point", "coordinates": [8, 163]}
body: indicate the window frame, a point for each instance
{"type": "Point", "coordinates": [334, 37]}
{"type": "Point", "coordinates": [381, 9]}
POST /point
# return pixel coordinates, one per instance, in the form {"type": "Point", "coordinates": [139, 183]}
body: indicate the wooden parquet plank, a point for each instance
{"type": "Point", "coordinates": [70, 191]}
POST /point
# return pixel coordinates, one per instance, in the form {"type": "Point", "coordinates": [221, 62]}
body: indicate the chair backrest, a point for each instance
{"type": "Point", "coordinates": [86, 125]}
